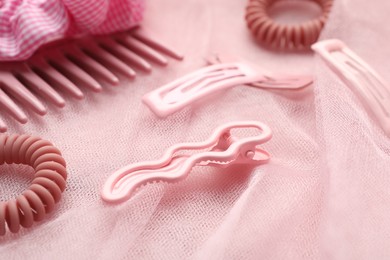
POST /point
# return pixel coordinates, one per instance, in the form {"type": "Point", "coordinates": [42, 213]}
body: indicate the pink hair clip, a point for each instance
{"type": "Point", "coordinates": [174, 96]}
{"type": "Point", "coordinates": [223, 149]}
{"type": "Point", "coordinates": [273, 81]}
{"type": "Point", "coordinates": [65, 65]}
{"type": "Point", "coordinates": [367, 84]}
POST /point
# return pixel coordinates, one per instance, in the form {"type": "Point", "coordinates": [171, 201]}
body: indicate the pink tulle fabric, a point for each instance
{"type": "Point", "coordinates": [324, 195]}
{"type": "Point", "coordinates": [27, 25]}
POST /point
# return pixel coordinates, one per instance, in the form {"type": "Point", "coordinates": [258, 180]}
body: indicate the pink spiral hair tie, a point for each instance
{"type": "Point", "coordinates": [46, 188]}
{"type": "Point", "coordinates": [284, 36]}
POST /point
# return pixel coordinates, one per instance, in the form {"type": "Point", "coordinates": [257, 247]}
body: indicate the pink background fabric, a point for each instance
{"type": "Point", "coordinates": [27, 25]}
{"type": "Point", "coordinates": [324, 195]}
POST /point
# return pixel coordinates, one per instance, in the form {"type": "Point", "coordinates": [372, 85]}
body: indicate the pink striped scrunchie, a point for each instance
{"type": "Point", "coordinates": [25, 25]}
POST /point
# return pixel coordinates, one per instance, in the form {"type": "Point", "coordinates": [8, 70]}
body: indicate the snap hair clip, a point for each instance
{"type": "Point", "coordinates": [67, 64]}
{"type": "Point", "coordinates": [363, 80]}
{"type": "Point", "coordinates": [194, 86]}
{"type": "Point", "coordinates": [284, 36]}
{"type": "Point", "coordinates": [274, 81]}
{"type": "Point", "coordinates": [222, 149]}
{"type": "Point", "coordinates": [46, 188]}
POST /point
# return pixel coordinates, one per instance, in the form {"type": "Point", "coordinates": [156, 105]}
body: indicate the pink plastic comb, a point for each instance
{"type": "Point", "coordinates": [174, 96]}
{"type": "Point", "coordinates": [220, 150]}
{"type": "Point", "coordinates": [69, 63]}
{"type": "Point", "coordinates": [359, 77]}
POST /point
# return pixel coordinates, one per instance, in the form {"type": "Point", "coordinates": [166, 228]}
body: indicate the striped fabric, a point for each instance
{"type": "Point", "coordinates": [25, 25]}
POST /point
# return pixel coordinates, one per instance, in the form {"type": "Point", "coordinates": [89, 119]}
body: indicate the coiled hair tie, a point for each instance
{"type": "Point", "coordinates": [284, 36]}
{"type": "Point", "coordinates": [46, 188]}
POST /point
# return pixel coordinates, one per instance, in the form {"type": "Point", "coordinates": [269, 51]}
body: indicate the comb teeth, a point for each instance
{"type": "Point", "coordinates": [146, 184]}
{"type": "Point", "coordinates": [68, 64]}
{"type": "Point", "coordinates": [219, 162]}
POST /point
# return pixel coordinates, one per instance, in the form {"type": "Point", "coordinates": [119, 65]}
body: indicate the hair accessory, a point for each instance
{"type": "Point", "coordinates": [69, 63]}
{"type": "Point", "coordinates": [364, 81]}
{"type": "Point", "coordinates": [284, 36]}
{"type": "Point", "coordinates": [274, 80]}
{"type": "Point", "coordinates": [27, 26]}
{"type": "Point", "coordinates": [174, 96]}
{"type": "Point", "coordinates": [223, 149]}
{"type": "Point", "coordinates": [46, 188]}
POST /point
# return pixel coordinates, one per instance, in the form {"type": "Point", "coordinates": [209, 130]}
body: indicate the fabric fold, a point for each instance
{"type": "Point", "coordinates": [27, 25]}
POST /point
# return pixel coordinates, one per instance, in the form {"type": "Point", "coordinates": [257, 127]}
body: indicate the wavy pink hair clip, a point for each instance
{"type": "Point", "coordinates": [222, 149]}
{"type": "Point", "coordinates": [219, 76]}
{"type": "Point", "coordinates": [363, 80]}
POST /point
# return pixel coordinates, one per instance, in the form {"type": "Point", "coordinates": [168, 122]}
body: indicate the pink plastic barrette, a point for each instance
{"type": "Point", "coordinates": [359, 77]}
{"type": "Point", "coordinates": [222, 149]}
{"type": "Point", "coordinates": [176, 95]}
{"type": "Point", "coordinates": [67, 64]}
